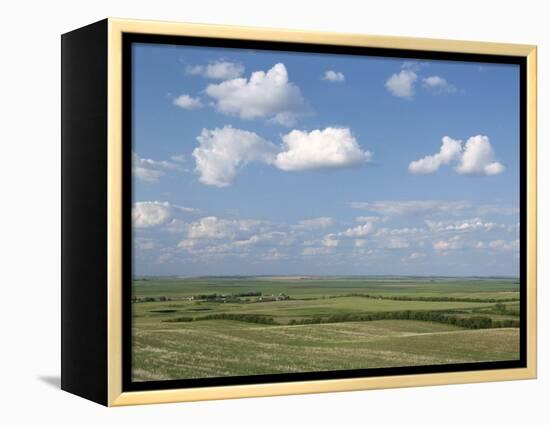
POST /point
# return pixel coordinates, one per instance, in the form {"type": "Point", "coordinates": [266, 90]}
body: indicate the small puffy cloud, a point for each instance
{"type": "Point", "coordinates": [187, 102]}
{"type": "Point", "coordinates": [328, 148]}
{"type": "Point", "coordinates": [217, 70]}
{"type": "Point", "coordinates": [209, 228]}
{"type": "Point", "coordinates": [155, 213]}
{"type": "Point", "coordinates": [437, 85]}
{"type": "Point", "coordinates": [223, 151]}
{"type": "Point", "coordinates": [150, 213]}
{"type": "Point", "coordinates": [268, 95]}
{"type": "Point", "coordinates": [333, 76]}
{"type": "Point", "coordinates": [450, 150]}
{"type": "Point", "coordinates": [478, 158]}
{"type": "Point", "coordinates": [402, 84]}
{"type": "Point", "coordinates": [358, 231]}
{"type": "Point", "coordinates": [396, 208]}
{"type": "Point", "coordinates": [150, 170]}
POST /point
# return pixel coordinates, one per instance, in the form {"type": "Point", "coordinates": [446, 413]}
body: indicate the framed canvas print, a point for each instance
{"type": "Point", "coordinates": [251, 212]}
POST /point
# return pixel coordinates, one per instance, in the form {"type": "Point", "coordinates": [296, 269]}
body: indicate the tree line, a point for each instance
{"type": "Point", "coordinates": [473, 322]}
{"type": "Point", "coordinates": [434, 299]}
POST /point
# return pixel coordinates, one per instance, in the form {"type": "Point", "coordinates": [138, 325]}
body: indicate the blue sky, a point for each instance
{"type": "Point", "coordinates": [256, 162]}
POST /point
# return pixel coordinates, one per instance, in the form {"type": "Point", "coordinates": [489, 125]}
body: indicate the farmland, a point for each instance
{"type": "Point", "coordinates": [233, 326]}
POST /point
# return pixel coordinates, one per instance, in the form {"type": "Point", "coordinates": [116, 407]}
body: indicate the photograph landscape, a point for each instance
{"type": "Point", "coordinates": [239, 326]}
{"type": "Point", "coordinates": [301, 212]}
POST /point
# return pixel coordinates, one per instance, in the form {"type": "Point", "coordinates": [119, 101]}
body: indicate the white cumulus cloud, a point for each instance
{"type": "Point", "coordinates": [223, 151]}
{"type": "Point", "coordinates": [156, 213]}
{"type": "Point", "coordinates": [328, 148]}
{"type": "Point", "coordinates": [333, 76]}
{"type": "Point", "coordinates": [402, 84]}
{"type": "Point", "coordinates": [187, 102]}
{"type": "Point", "coordinates": [217, 70]}
{"type": "Point", "coordinates": [267, 95]}
{"type": "Point", "coordinates": [475, 157]}
{"type": "Point", "coordinates": [437, 85]}
{"type": "Point", "coordinates": [151, 213]}
{"type": "Point", "coordinates": [358, 231]}
{"type": "Point", "coordinates": [450, 150]}
{"type": "Point", "coordinates": [478, 158]}
{"type": "Point", "coordinates": [210, 228]}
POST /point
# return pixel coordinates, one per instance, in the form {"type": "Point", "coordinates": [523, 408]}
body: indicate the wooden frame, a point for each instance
{"type": "Point", "coordinates": [93, 201]}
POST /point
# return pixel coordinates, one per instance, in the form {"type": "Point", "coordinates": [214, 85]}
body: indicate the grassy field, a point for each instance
{"type": "Point", "coordinates": [207, 327]}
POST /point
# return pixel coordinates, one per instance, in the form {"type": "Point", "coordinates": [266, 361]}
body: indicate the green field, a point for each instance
{"type": "Point", "coordinates": [231, 326]}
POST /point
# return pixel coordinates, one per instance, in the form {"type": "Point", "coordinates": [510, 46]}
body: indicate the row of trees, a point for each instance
{"type": "Point", "coordinates": [502, 309]}
{"type": "Point", "coordinates": [149, 299]}
{"type": "Point", "coordinates": [436, 299]}
{"type": "Point", "coordinates": [471, 322]}
{"type": "Point", "coordinates": [250, 318]}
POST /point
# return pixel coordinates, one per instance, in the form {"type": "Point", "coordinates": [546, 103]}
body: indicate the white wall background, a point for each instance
{"type": "Point", "coordinates": [30, 212]}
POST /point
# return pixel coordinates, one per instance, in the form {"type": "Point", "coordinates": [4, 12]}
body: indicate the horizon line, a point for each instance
{"type": "Point", "coordinates": [323, 275]}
